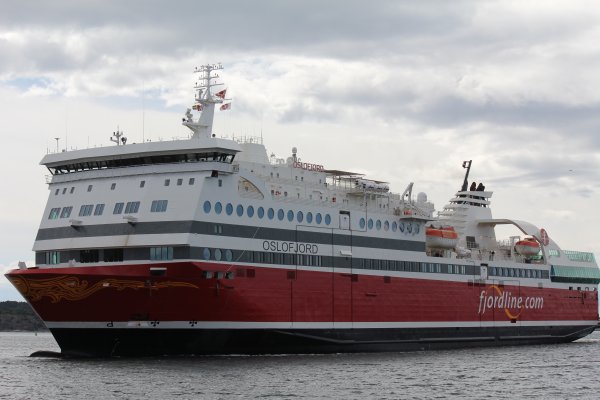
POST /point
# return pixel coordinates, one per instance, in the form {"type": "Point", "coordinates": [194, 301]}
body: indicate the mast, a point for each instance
{"type": "Point", "coordinates": [205, 101]}
{"type": "Point", "coordinates": [465, 185]}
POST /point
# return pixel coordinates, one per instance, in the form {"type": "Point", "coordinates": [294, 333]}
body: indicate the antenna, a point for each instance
{"type": "Point", "coordinates": [118, 137]}
{"type": "Point", "coordinates": [57, 139]}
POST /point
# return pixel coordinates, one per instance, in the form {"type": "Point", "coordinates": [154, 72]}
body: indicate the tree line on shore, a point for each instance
{"type": "Point", "coordinates": [19, 316]}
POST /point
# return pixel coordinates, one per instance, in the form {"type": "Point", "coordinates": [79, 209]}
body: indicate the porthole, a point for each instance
{"type": "Point", "coordinates": [290, 215]}
{"type": "Point", "coordinates": [362, 223]}
{"type": "Point", "coordinates": [239, 210]}
{"type": "Point", "coordinates": [327, 219]}
{"type": "Point", "coordinates": [250, 211]}
{"type": "Point", "coordinates": [370, 223]}
{"type": "Point", "coordinates": [401, 226]}
{"type": "Point", "coordinates": [318, 218]}
{"type": "Point", "coordinates": [218, 207]}
{"type": "Point", "coordinates": [260, 212]}
{"type": "Point", "coordinates": [386, 225]}
{"type": "Point", "coordinates": [394, 226]}
{"type": "Point", "coordinates": [309, 217]}
{"type": "Point", "coordinates": [271, 213]}
{"type": "Point", "coordinates": [218, 254]}
{"type": "Point", "coordinates": [300, 216]}
{"type": "Point", "coordinates": [229, 209]}
{"type": "Point", "coordinates": [280, 214]}
{"type": "Point", "coordinates": [228, 255]}
{"type": "Point", "coordinates": [206, 254]}
{"type": "Point", "coordinates": [207, 206]}
{"type": "Point", "coordinates": [378, 225]}
{"type": "Point", "coordinates": [416, 229]}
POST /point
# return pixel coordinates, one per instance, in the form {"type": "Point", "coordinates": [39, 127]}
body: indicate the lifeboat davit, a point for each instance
{"type": "Point", "coordinates": [441, 238]}
{"type": "Point", "coordinates": [527, 247]}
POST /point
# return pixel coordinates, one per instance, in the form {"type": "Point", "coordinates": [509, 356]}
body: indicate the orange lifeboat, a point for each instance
{"type": "Point", "coordinates": [527, 247]}
{"type": "Point", "coordinates": [441, 238]}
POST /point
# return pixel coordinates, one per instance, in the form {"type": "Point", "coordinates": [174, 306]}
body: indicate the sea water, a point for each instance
{"type": "Point", "coordinates": [564, 371]}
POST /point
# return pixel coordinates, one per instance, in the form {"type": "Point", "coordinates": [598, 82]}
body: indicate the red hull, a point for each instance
{"type": "Point", "coordinates": [186, 297]}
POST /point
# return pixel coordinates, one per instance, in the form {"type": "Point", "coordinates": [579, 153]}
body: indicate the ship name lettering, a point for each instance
{"type": "Point", "coordinates": [290, 247]}
{"type": "Point", "coordinates": [308, 166]}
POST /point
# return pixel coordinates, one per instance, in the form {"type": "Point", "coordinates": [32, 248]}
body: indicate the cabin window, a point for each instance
{"type": "Point", "coordinates": [132, 207]}
{"type": "Point", "coordinates": [86, 210]}
{"type": "Point", "coordinates": [191, 181]}
{"type": "Point", "coordinates": [66, 212]}
{"type": "Point", "coordinates": [218, 207]}
{"type": "Point", "coordinates": [53, 257]}
{"type": "Point", "coordinates": [161, 253]}
{"type": "Point", "coordinates": [167, 182]}
{"type": "Point", "coordinates": [142, 184]}
{"type": "Point", "coordinates": [56, 192]}
{"type": "Point", "coordinates": [99, 209]}
{"type": "Point", "coordinates": [90, 188]}
{"type": "Point", "coordinates": [158, 206]}
{"type": "Point", "coordinates": [206, 206]}
{"type": "Point", "coordinates": [113, 186]}
{"type": "Point", "coordinates": [54, 213]}
{"type": "Point", "coordinates": [118, 208]}
{"type": "Point", "coordinates": [179, 182]}
{"type": "Point", "coordinates": [261, 212]}
{"type": "Point", "coordinates": [229, 209]}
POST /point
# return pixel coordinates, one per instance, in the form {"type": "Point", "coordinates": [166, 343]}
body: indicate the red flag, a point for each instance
{"type": "Point", "coordinates": [226, 107]}
{"type": "Point", "coordinates": [221, 94]}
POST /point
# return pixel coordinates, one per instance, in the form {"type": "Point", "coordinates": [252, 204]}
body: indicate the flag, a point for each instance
{"type": "Point", "coordinates": [466, 164]}
{"type": "Point", "coordinates": [197, 107]}
{"type": "Point", "coordinates": [221, 94]}
{"type": "Point", "coordinates": [226, 107]}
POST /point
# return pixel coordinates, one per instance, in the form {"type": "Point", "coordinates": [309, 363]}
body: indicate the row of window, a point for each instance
{"type": "Point", "coordinates": [260, 212]}
{"type": "Point", "coordinates": [261, 257]}
{"type": "Point", "coordinates": [517, 272]}
{"type": "Point", "coordinates": [113, 185]}
{"type": "Point", "coordinates": [86, 210]}
{"type": "Point", "coordinates": [402, 227]}
{"type": "Point", "coordinates": [145, 160]}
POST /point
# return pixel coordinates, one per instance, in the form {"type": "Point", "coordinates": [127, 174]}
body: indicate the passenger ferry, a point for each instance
{"type": "Point", "coordinates": [211, 246]}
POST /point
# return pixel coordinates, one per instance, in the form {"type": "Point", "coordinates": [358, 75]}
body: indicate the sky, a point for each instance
{"type": "Point", "coordinates": [401, 91]}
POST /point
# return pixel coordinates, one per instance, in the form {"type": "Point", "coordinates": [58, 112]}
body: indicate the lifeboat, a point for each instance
{"type": "Point", "coordinates": [441, 238]}
{"type": "Point", "coordinates": [527, 247]}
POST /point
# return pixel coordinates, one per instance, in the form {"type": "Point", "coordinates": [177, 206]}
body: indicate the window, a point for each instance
{"type": "Point", "coordinates": [386, 225]}
{"type": "Point", "coordinates": [159, 206]}
{"type": "Point", "coordinates": [64, 191]}
{"type": "Point", "coordinates": [309, 217]}
{"type": "Point", "coordinates": [377, 225]}
{"type": "Point", "coordinates": [228, 255]}
{"type": "Point", "coordinates": [370, 223]}
{"type": "Point", "coordinates": [206, 254]}
{"type": "Point", "coordinates": [318, 218]}
{"type": "Point", "coordinates": [167, 182]}
{"type": "Point", "coordinates": [229, 209]}
{"type": "Point", "coordinates": [300, 216]}
{"type": "Point", "coordinates": [220, 182]}
{"type": "Point", "coordinates": [250, 211]}
{"type": "Point", "coordinates": [271, 213]}
{"type": "Point", "coordinates": [118, 208]}
{"type": "Point", "coordinates": [218, 254]}
{"type": "Point", "coordinates": [86, 210]}
{"type": "Point", "coordinates": [206, 206]}
{"type": "Point", "coordinates": [72, 189]}
{"type": "Point", "coordinates": [290, 215]}
{"type": "Point", "coordinates": [111, 255]}
{"type": "Point", "coordinates": [179, 182]}
{"type": "Point", "coordinates": [89, 256]}
{"type": "Point", "coordinates": [394, 226]}
{"type": "Point", "coordinates": [280, 214]}
{"type": "Point", "coordinates": [142, 184]}
{"type": "Point", "coordinates": [53, 257]}
{"type": "Point", "coordinates": [66, 212]}
{"type": "Point", "coordinates": [362, 223]}
{"type": "Point", "coordinates": [218, 207]}
{"type": "Point", "coordinates": [239, 210]}
{"type": "Point", "coordinates": [90, 188]}
{"type": "Point", "coordinates": [191, 181]}
{"type": "Point", "coordinates": [261, 212]}
{"type": "Point", "coordinates": [161, 253]}
{"type": "Point", "coordinates": [56, 192]}
{"type": "Point", "coordinates": [132, 207]}
{"type": "Point", "coordinates": [54, 213]}
{"type": "Point", "coordinates": [113, 186]}
{"type": "Point", "coordinates": [99, 209]}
